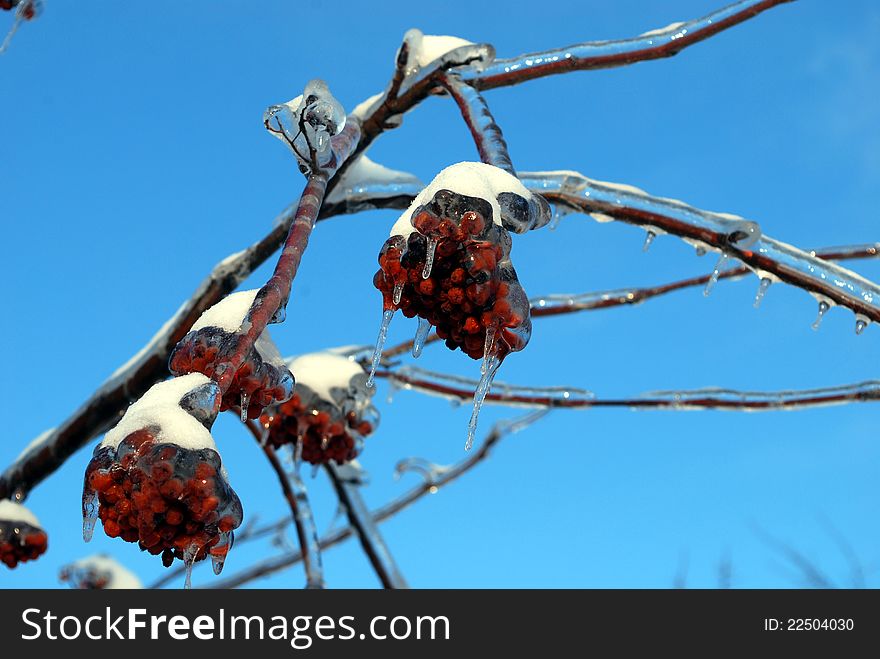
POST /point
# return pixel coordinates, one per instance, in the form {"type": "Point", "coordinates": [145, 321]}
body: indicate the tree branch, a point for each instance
{"type": "Point", "coordinates": [440, 478]}
{"type": "Point", "coordinates": [655, 44]}
{"type": "Point", "coordinates": [294, 491]}
{"type": "Point", "coordinates": [476, 114]}
{"type": "Point", "coordinates": [346, 485]}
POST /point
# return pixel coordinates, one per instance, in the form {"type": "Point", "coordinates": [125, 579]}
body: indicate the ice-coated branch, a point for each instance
{"type": "Point", "coordinates": [271, 300]}
{"type": "Point", "coordinates": [655, 44]}
{"type": "Point", "coordinates": [440, 479]}
{"type": "Point", "coordinates": [732, 236]}
{"type": "Point", "coordinates": [346, 481]}
{"type": "Point", "coordinates": [710, 398]}
{"type": "Point", "coordinates": [295, 493]}
{"type": "Point", "coordinates": [150, 364]}
{"type": "Point", "coordinates": [552, 305]}
{"type": "Point", "coordinates": [476, 114]}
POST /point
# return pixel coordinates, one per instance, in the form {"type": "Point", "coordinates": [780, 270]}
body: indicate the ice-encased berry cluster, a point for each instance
{"type": "Point", "coordinates": [98, 572]}
{"type": "Point", "coordinates": [330, 412]}
{"type": "Point", "coordinates": [157, 479]}
{"type": "Point", "coordinates": [447, 260]}
{"type": "Point", "coordinates": [261, 380]}
{"type": "Point", "coordinates": [22, 538]}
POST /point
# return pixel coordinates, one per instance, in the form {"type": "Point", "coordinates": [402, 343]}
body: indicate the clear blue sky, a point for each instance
{"type": "Point", "coordinates": [133, 159]}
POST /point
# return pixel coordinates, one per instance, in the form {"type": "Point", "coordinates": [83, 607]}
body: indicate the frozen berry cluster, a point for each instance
{"type": "Point", "coordinates": [157, 479]}
{"type": "Point", "coordinates": [98, 572]}
{"type": "Point", "coordinates": [21, 537]}
{"type": "Point", "coordinates": [454, 270]}
{"type": "Point", "coordinates": [257, 383]}
{"type": "Point", "coordinates": [261, 380]}
{"type": "Point", "coordinates": [330, 413]}
{"type": "Point", "coordinates": [170, 500]}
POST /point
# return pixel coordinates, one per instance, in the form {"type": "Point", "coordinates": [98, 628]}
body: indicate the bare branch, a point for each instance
{"type": "Point", "coordinates": [346, 481]}
{"type": "Point", "coordinates": [655, 44]}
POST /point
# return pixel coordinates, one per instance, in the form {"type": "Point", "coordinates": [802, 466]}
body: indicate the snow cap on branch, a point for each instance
{"type": "Point", "coordinates": [439, 51]}
{"type": "Point", "coordinates": [99, 572]}
{"type": "Point", "coordinates": [513, 206]}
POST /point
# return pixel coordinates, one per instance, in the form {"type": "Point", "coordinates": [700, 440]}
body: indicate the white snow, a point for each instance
{"type": "Point", "coordinates": [120, 576]}
{"type": "Point", "coordinates": [474, 179]}
{"type": "Point", "coordinates": [672, 27]}
{"type": "Point", "coordinates": [10, 511]}
{"type": "Point", "coordinates": [322, 371]}
{"type": "Point", "coordinates": [367, 107]}
{"type": "Point", "coordinates": [425, 48]}
{"type": "Point", "coordinates": [160, 406]}
{"type": "Point", "coordinates": [362, 173]}
{"type": "Point", "coordinates": [229, 314]}
{"type": "Point", "coordinates": [34, 443]}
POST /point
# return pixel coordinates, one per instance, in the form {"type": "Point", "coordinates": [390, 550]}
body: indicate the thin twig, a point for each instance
{"type": "Point", "coordinates": [362, 522]}
{"type": "Point", "coordinates": [301, 513]}
{"type": "Point", "coordinates": [428, 486]}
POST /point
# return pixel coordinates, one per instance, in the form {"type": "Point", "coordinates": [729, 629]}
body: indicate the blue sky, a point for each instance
{"type": "Point", "coordinates": [134, 159]}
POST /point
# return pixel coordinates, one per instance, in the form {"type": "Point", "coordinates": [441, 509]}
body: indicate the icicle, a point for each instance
{"type": "Point", "coordinates": [380, 344]}
{"type": "Point", "coordinates": [217, 561]}
{"type": "Point", "coordinates": [823, 309]}
{"type": "Point", "coordinates": [700, 251]}
{"type": "Point", "coordinates": [279, 316]}
{"type": "Point", "coordinates": [558, 213]}
{"type": "Point", "coordinates": [429, 259]}
{"type": "Point", "coordinates": [716, 272]}
{"type": "Point", "coordinates": [398, 292]}
{"type": "Point", "coordinates": [315, 470]}
{"type": "Point", "coordinates": [648, 240]}
{"type": "Point", "coordinates": [421, 336]}
{"type": "Point", "coordinates": [861, 323]}
{"type": "Point", "coordinates": [297, 454]}
{"type": "Point", "coordinates": [245, 401]}
{"type": "Point", "coordinates": [90, 514]}
{"type": "Point", "coordinates": [488, 368]}
{"type": "Point", "coordinates": [762, 290]}
{"type": "Point", "coordinates": [189, 557]}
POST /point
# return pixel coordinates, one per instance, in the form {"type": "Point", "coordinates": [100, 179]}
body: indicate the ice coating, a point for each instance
{"type": "Point", "coordinates": [160, 407]}
{"type": "Point", "coordinates": [99, 572]}
{"type": "Point", "coordinates": [453, 270]}
{"type": "Point", "coordinates": [330, 412]}
{"type": "Point", "coordinates": [261, 380]}
{"type": "Point", "coordinates": [513, 206]}
{"type": "Point", "coordinates": [307, 123]}
{"type": "Point", "coordinates": [21, 537]}
{"type": "Point", "coordinates": [365, 180]}
{"type": "Point", "coordinates": [157, 478]}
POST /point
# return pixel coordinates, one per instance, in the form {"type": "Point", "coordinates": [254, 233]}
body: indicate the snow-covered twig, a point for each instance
{"type": "Point", "coordinates": [731, 236]}
{"type": "Point", "coordinates": [476, 114]}
{"type": "Point", "coordinates": [301, 511]}
{"type": "Point", "coordinates": [711, 398]}
{"type": "Point", "coordinates": [428, 486]}
{"type": "Point", "coordinates": [655, 44]}
{"type": "Point", "coordinates": [346, 483]}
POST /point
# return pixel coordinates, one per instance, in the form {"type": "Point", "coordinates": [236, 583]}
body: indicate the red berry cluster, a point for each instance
{"type": "Point", "coordinates": [326, 431]}
{"type": "Point", "coordinates": [468, 287]}
{"type": "Point", "coordinates": [171, 500]}
{"type": "Point", "coordinates": [21, 542]}
{"type": "Point", "coordinates": [86, 578]}
{"type": "Point", "coordinates": [257, 383]}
